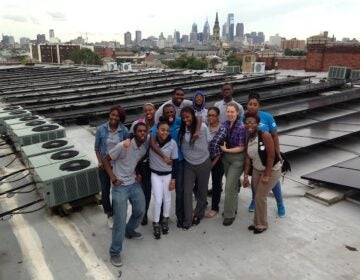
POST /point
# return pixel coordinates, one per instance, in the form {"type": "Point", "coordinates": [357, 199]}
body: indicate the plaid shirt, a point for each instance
{"type": "Point", "coordinates": [234, 137]}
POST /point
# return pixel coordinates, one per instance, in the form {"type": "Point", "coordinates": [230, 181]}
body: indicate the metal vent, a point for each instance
{"type": "Point", "coordinates": [70, 185]}
{"type": "Point", "coordinates": [54, 144]}
{"type": "Point", "coordinates": [35, 123]}
{"type": "Point", "coordinates": [29, 118]}
{"type": "Point", "coordinates": [59, 191]}
{"type": "Point", "coordinates": [93, 179]}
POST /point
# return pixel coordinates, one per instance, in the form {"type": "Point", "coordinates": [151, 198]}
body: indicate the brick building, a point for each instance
{"type": "Point", "coordinates": [293, 44]}
{"type": "Point", "coordinates": [46, 53]}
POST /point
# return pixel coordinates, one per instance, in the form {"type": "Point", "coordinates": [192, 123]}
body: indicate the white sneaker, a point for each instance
{"type": "Point", "coordinates": [110, 222]}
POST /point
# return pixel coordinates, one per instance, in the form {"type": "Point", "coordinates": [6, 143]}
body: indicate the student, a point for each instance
{"type": "Point", "coordinates": [198, 104]}
{"type": "Point", "coordinates": [267, 123]}
{"type": "Point", "coordinates": [196, 168]}
{"type": "Point", "coordinates": [266, 169]}
{"type": "Point", "coordinates": [163, 176]}
{"type": "Point", "coordinates": [217, 170]}
{"type": "Point", "coordinates": [125, 186]}
{"type": "Point", "coordinates": [178, 101]}
{"type": "Point", "coordinates": [108, 135]}
{"type": "Point", "coordinates": [230, 139]}
{"type": "Point", "coordinates": [227, 93]}
{"type": "Point", "coordinates": [143, 166]}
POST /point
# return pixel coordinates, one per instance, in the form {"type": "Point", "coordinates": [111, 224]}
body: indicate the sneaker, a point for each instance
{"type": "Point", "coordinates": [144, 221]}
{"type": "Point", "coordinates": [281, 210]}
{"type": "Point", "coordinates": [228, 221]}
{"type": "Point", "coordinates": [252, 206]}
{"type": "Point", "coordinates": [116, 260]}
{"type": "Point", "coordinates": [135, 235]}
{"type": "Point", "coordinates": [110, 222]}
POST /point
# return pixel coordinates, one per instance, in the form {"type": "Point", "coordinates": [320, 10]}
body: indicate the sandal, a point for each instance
{"type": "Point", "coordinates": [211, 214]}
{"type": "Point", "coordinates": [251, 227]}
{"type": "Point", "coordinates": [259, 230]}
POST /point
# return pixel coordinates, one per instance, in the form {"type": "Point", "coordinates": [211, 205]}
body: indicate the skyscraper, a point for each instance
{"type": "Point", "coordinates": [193, 34]}
{"type": "Point", "coordinates": [137, 37]}
{"type": "Point", "coordinates": [176, 37]}
{"type": "Point", "coordinates": [240, 30]}
{"type": "Point", "coordinates": [51, 33]}
{"type": "Point", "coordinates": [41, 39]}
{"type": "Point", "coordinates": [224, 31]}
{"type": "Point", "coordinates": [194, 28]}
{"type": "Point", "coordinates": [206, 32]}
{"type": "Point", "coordinates": [230, 27]}
{"type": "Point", "coordinates": [216, 32]}
{"type": "Point", "coordinates": [127, 39]}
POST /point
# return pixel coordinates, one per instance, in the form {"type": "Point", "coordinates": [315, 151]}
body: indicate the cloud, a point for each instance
{"type": "Point", "coordinates": [34, 20]}
{"type": "Point", "coordinates": [15, 18]}
{"type": "Point", "coordinates": [58, 16]}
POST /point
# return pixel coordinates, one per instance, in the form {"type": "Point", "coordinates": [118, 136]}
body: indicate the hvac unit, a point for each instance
{"type": "Point", "coordinates": [355, 75]}
{"type": "Point", "coordinates": [258, 67]}
{"type": "Point", "coordinates": [21, 120]}
{"type": "Point", "coordinates": [235, 69]}
{"type": "Point", "coordinates": [125, 67]}
{"type": "Point", "coordinates": [10, 108]}
{"type": "Point", "coordinates": [338, 73]}
{"type": "Point", "coordinates": [51, 158]}
{"type": "Point", "coordinates": [67, 181]}
{"type": "Point", "coordinates": [111, 66]}
{"type": "Point", "coordinates": [44, 148]}
{"type": "Point", "coordinates": [10, 130]}
{"type": "Point", "coordinates": [7, 115]}
{"type": "Point", "coordinates": [38, 134]}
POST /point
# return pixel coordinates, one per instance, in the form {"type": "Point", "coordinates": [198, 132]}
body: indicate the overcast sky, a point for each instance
{"type": "Point", "coordinates": [72, 18]}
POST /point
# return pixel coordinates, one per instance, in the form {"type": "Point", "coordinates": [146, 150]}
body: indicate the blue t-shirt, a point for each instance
{"type": "Point", "coordinates": [174, 133]}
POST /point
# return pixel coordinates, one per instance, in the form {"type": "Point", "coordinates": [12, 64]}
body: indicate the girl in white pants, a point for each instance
{"type": "Point", "coordinates": [163, 176]}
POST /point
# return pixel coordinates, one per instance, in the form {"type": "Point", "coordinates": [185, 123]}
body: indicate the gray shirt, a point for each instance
{"type": "Point", "coordinates": [125, 161]}
{"type": "Point", "coordinates": [253, 153]}
{"type": "Point", "coordinates": [222, 107]}
{"type": "Point", "coordinates": [159, 112]}
{"type": "Point", "coordinates": [170, 150]}
{"type": "Point", "coordinates": [197, 152]}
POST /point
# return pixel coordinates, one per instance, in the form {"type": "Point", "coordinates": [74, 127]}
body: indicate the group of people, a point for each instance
{"type": "Point", "coordinates": [177, 148]}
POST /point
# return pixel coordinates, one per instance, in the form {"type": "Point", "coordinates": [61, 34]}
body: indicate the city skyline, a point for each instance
{"type": "Point", "coordinates": [70, 19]}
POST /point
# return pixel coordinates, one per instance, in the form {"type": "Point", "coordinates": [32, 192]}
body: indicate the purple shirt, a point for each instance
{"type": "Point", "coordinates": [234, 137]}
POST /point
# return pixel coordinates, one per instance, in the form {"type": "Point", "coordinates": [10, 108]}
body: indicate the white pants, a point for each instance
{"type": "Point", "coordinates": [162, 195]}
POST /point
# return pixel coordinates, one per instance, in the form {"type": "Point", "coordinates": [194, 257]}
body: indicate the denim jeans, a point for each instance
{"type": "Point", "coordinates": [120, 197]}
{"type": "Point", "coordinates": [105, 191]}
{"type": "Point", "coordinates": [179, 190]}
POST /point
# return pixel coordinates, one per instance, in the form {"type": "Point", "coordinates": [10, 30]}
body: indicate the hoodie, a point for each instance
{"type": "Point", "coordinates": [200, 111]}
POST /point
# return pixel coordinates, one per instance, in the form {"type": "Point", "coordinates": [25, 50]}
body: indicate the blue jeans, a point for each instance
{"type": "Point", "coordinates": [105, 191]}
{"type": "Point", "coordinates": [120, 196]}
{"type": "Point", "coordinates": [276, 191]}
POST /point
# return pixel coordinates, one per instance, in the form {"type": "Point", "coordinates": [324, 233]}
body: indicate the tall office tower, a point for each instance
{"type": "Point", "coordinates": [127, 39]}
{"type": "Point", "coordinates": [206, 32]}
{"type": "Point", "coordinates": [216, 32]}
{"type": "Point", "coordinates": [240, 30]}
{"type": "Point", "coordinates": [261, 37]}
{"type": "Point", "coordinates": [223, 31]}
{"type": "Point", "coordinates": [176, 37]}
{"type": "Point", "coordinates": [230, 27]}
{"type": "Point", "coordinates": [137, 37]}
{"type": "Point", "coordinates": [51, 33]}
{"type": "Point", "coordinates": [41, 39]}
{"type": "Point", "coordinates": [193, 34]}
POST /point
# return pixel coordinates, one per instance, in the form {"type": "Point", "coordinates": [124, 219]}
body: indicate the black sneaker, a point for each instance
{"type": "Point", "coordinates": [144, 221]}
{"type": "Point", "coordinates": [135, 235]}
{"type": "Point", "coordinates": [196, 221]}
{"type": "Point", "coordinates": [116, 260]}
{"type": "Point", "coordinates": [228, 221]}
{"type": "Point", "coordinates": [179, 224]}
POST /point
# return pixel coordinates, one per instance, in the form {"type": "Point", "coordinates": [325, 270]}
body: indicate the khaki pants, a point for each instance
{"type": "Point", "coordinates": [261, 193]}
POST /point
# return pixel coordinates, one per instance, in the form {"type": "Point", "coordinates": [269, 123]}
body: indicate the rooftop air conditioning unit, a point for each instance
{"type": "Point", "coordinates": [355, 75]}
{"type": "Point", "coordinates": [51, 158]}
{"type": "Point", "coordinates": [258, 67]}
{"type": "Point", "coordinates": [20, 120]}
{"type": "Point", "coordinates": [7, 115]}
{"type": "Point", "coordinates": [44, 148]}
{"type": "Point", "coordinates": [38, 134]}
{"type": "Point", "coordinates": [10, 108]}
{"type": "Point", "coordinates": [338, 73]}
{"type": "Point", "coordinates": [125, 67]}
{"type": "Point", "coordinates": [68, 181]}
{"type": "Point", "coordinates": [111, 66]}
{"type": "Point", "coordinates": [12, 128]}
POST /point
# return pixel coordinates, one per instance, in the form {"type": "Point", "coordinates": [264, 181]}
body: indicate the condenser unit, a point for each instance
{"type": "Point", "coordinates": [125, 67]}
{"type": "Point", "coordinates": [7, 115]}
{"type": "Point", "coordinates": [10, 130]}
{"type": "Point", "coordinates": [258, 67]}
{"type": "Point", "coordinates": [9, 108]}
{"type": "Point", "coordinates": [38, 134]}
{"type": "Point", "coordinates": [355, 75]}
{"type": "Point", "coordinates": [338, 73]}
{"type": "Point", "coordinates": [45, 148]}
{"type": "Point", "coordinates": [20, 120]}
{"type": "Point", "coordinates": [67, 181]}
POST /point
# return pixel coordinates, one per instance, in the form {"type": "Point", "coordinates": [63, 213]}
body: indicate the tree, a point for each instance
{"type": "Point", "coordinates": [85, 56]}
{"type": "Point", "coordinates": [187, 62]}
{"type": "Point", "coordinates": [289, 52]}
{"type": "Point", "coordinates": [233, 60]}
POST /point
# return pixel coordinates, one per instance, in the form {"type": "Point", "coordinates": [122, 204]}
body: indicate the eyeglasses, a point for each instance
{"type": "Point", "coordinates": [250, 123]}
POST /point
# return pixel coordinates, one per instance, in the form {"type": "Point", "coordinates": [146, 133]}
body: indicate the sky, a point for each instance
{"type": "Point", "coordinates": [109, 20]}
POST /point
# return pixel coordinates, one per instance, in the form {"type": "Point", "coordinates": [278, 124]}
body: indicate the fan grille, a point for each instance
{"type": "Point", "coordinates": [47, 127]}
{"type": "Point", "coordinates": [30, 118]}
{"type": "Point", "coordinates": [66, 154]}
{"type": "Point", "coordinates": [75, 165]}
{"type": "Point", "coordinates": [18, 112]}
{"type": "Point", "coordinates": [11, 108]}
{"type": "Point", "coordinates": [35, 123]}
{"type": "Point", "coordinates": [54, 144]}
